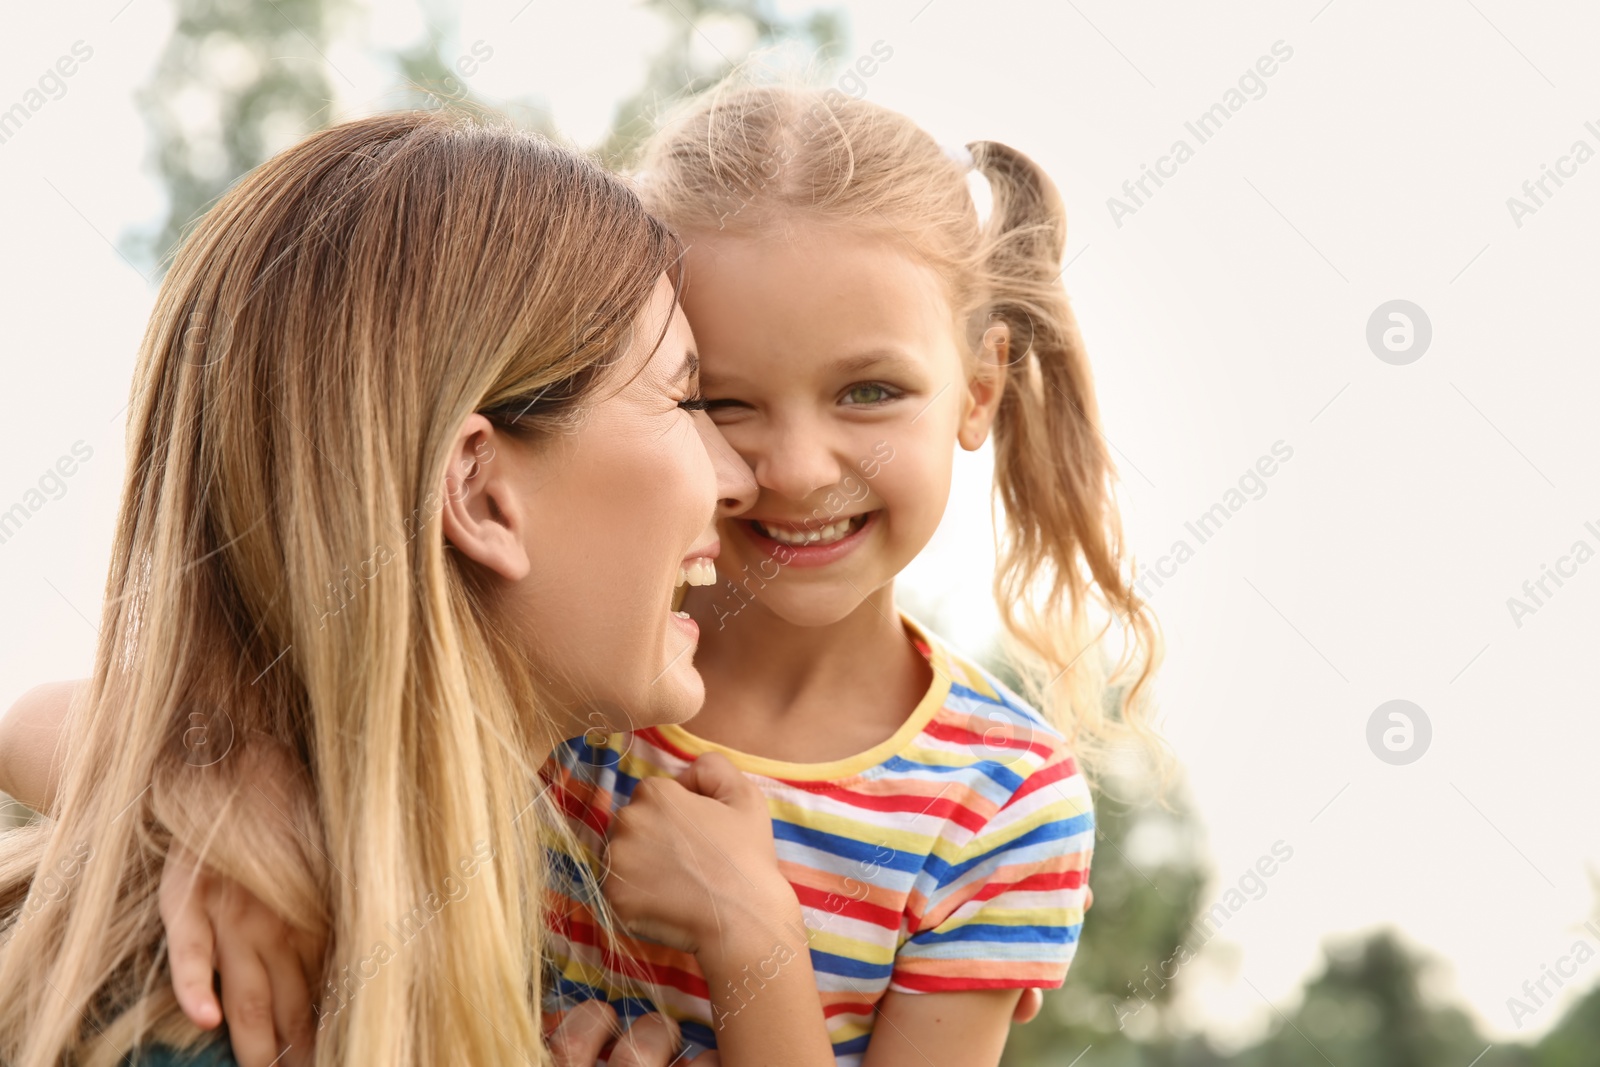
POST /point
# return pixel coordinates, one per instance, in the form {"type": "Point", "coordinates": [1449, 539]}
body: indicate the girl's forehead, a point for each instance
{"type": "Point", "coordinates": [812, 286]}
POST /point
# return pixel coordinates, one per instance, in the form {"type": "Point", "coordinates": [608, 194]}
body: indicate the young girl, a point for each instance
{"type": "Point", "coordinates": [855, 323]}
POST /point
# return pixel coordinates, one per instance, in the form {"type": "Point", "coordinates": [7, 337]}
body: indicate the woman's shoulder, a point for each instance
{"type": "Point", "coordinates": [214, 1055]}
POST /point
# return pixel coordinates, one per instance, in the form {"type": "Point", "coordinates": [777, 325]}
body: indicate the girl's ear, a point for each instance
{"type": "Point", "coordinates": [485, 509]}
{"type": "Point", "coordinates": [985, 386]}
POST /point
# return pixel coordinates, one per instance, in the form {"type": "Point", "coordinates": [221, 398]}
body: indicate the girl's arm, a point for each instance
{"type": "Point", "coordinates": [211, 922]}
{"type": "Point", "coordinates": [30, 750]}
{"type": "Point", "coordinates": [690, 863]}
{"type": "Point", "coordinates": [1023, 873]}
{"type": "Point", "coordinates": [955, 1029]}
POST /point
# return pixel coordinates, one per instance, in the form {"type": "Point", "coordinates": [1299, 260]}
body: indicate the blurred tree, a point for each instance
{"type": "Point", "coordinates": [239, 81]}
{"type": "Point", "coordinates": [1368, 1007]}
{"type": "Point", "coordinates": [236, 82]}
{"type": "Point", "coordinates": [1575, 1040]}
{"type": "Point", "coordinates": [692, 60]}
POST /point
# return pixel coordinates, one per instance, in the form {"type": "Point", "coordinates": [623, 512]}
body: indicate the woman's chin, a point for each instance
{"type": "Point", "coordinates": [677, 692]}
{"type": "Point", "coordinates": [677, 696]}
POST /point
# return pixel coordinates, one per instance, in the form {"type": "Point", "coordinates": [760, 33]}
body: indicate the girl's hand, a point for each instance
{"type": "Point", "coordinates": [215, 924]}
{"type": "Point", "coordinates": [691, 862]}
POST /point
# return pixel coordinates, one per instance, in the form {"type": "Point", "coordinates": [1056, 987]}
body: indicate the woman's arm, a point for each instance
{"type": "Point", "coordinates": [30, 749]}
{"type": "Point", "coordinates": [691, 864]}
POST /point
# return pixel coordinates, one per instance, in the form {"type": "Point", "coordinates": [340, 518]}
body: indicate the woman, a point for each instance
{"type": "Point", "coordinates": [414, 472]}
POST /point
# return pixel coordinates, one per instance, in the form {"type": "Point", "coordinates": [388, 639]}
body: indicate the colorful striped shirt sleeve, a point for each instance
{"type": "Point", "coordinates": [1002, 907]}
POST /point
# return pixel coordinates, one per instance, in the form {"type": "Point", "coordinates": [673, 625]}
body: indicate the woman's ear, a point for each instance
{"type": "Point", "coordinates": [485, 510]}
{"type": "Point", "coordinates": [985, 386]}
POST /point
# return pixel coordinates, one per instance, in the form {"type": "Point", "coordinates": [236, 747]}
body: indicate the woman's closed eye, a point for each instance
{"type": "Point", "coordinates": [720, 405]}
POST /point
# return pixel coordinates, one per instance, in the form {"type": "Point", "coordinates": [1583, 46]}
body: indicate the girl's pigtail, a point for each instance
{"type": "Point", "coordinates": [1055, 481]}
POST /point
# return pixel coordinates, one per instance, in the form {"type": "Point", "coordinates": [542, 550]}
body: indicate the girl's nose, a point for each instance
{"type": "Point", "coordinates": [796, 464]}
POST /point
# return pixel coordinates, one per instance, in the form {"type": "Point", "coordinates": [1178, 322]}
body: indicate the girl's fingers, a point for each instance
{"type": "Point", "coordinates": [1028, 1006]}
{"type": "Point", "coordinates": [714, 775]}
{"type": "Point", "coordinates": [247, 1002]}
{"type": "Point", "coordinates": [583, 1033]}
{"type": "Point", "coordinates": [189, 942]}
{"type": "Point", "coordinates": [291, 1004]}
{"type": "Point", "coordinates": [652, 1041]}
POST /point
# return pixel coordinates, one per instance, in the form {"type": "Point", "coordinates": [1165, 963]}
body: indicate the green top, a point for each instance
{"type": "Point", "coordinates": [215, 1055]}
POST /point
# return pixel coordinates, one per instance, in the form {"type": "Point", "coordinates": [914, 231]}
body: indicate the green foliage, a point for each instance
{"type": "Point", "coordinates": [237, 81]}
{"type": "Point", "coordinates": [675, 73]}
{"type": "Point", "coordinates": [1368, 1007]}
{"type": "Point", "coordinates": [1575, 1040]}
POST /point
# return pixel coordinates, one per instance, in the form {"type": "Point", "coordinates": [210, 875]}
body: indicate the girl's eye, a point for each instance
{"type": "Point", "coordinates": [869, 393]}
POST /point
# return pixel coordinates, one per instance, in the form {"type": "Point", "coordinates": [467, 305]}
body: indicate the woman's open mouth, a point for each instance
{"type": "Point", "coordinates": [701, 570]}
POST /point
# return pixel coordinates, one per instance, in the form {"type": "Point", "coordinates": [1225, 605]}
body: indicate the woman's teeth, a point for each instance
{"type": "Point", "coordinates": [821, 535]}
{"type": "Point", "coordinates": [700, 571]}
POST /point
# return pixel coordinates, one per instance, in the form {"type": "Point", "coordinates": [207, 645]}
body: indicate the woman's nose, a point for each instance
{"type": "Point", "coordinates": [736, 482]}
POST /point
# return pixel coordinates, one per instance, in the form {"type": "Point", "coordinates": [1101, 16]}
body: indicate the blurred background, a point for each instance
{"type": "Point", "coordinates": [1336, 879]}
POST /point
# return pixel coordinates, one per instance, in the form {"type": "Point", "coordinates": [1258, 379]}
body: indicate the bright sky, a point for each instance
{"type": "Point", "coordinates": [1226, 310]}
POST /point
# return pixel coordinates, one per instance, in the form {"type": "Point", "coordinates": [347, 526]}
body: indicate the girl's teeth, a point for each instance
{"type": "Point", "coordinates": [822, 535]}
{"type": "Point", "coordinates": [700, 571]}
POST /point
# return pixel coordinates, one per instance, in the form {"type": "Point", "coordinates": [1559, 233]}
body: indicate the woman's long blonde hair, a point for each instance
{"type": "Point", "coordinates": [279, 582]}
{"type": "Point", "coordinates": [746, 158]}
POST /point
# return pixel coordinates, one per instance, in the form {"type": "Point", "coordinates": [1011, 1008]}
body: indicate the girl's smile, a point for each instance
{"type": "Point", "coordinates": [806, 544]}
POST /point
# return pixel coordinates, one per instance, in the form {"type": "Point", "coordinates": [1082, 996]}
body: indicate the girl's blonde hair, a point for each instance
{"type": "Point", "coordinates": [280, 585]}
{"type": "Point", "coordinates": [747, 158]}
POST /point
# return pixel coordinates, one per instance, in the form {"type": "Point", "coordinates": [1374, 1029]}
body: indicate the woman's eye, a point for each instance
{"type": "Point", "coordinates": [868, 393]}
{"type": "Point", "coordinates": [694, 403]}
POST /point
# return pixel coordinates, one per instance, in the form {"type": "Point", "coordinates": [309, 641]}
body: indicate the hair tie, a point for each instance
{"type": "Point", "coordinates": [959, 155]}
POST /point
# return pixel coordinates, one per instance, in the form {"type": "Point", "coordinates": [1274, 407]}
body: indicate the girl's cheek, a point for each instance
{"type": "Point", "coordinates": [914, 485]}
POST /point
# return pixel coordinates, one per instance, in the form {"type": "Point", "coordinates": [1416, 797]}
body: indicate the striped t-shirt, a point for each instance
{"type": "Point", "coordinates": [952, 856]}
